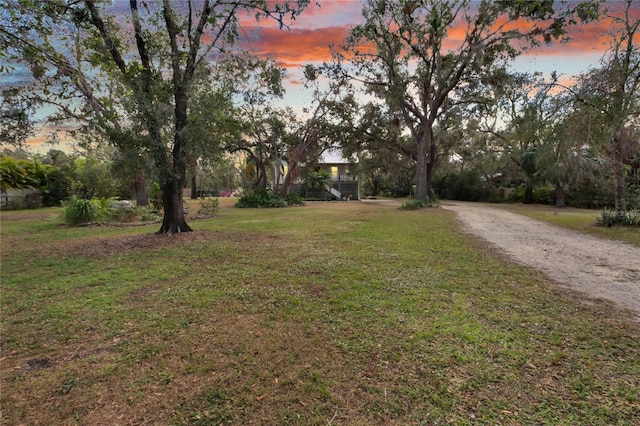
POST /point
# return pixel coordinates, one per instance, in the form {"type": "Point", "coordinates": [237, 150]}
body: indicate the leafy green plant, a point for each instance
{"type": "Point", "coordinates": [264, 198]}
{"type": "Point", "coordinates": [125, 215]}
{"type": "Point", "coordinates": [293, 199]}
{"type": "Point", "coordinates": [150, 217]}
{"type": "Point", "coordinates": [208, 206]}
{"type": "Point", "coordinates": [82, 210]}
{"type": "Point", "coordinates": [610, 217]}
{"type": "Point", "coordinates": [413, 204]}
{"type": "Point", "coordinates": [156, 195]}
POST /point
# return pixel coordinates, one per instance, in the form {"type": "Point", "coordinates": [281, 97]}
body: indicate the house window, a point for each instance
{"type": "Point", "coordinates": [334, 172]}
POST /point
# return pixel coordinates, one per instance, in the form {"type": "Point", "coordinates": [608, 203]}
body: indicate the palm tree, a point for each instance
{"type": "Point", "coordinates": [319, 180]}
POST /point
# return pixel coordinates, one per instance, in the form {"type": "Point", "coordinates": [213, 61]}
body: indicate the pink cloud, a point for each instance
{"type": "Point", "coordinates": [297, 46]}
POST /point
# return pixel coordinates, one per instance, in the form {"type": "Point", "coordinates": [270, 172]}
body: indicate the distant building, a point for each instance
{"type": "Point", "coordinates": [344, 184]}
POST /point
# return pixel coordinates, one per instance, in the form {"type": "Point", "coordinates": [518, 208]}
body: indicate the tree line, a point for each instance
{"type": "Point", "coordinates": [422, 112]}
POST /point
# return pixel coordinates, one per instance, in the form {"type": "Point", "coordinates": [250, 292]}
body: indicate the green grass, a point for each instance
{"type": "Point", "coordinates": [340, 313]}
{"type": "Point", "coordinates": [582, 220]}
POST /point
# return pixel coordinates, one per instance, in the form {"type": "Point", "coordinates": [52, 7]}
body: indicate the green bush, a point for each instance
{"type": "Point", "coordinates": [633, 197]}
{"type": "Point", "coordinates": [82, 210]}
{"type": "Point", "coordinates": [155, 196]}
{"type": "Point", "coordinates": [264, 198]}
{"type": "Point", "coordinates": [293, 199]}
{"type": "Point", "coordinates": [208, 206]}
{"type": "Point", "coordinates": [126, 214]}
{"type": "Point", "coordinates": [413, 204]}
{"type": "Point", "coordinates": [149, 216]}
{"type": "Point", "coordinates": [610, 217]}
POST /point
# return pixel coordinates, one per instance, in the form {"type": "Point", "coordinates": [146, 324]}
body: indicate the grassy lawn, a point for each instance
{"type": "Point", "coordinates": [331, 313]}
{"type": "Point", "coordinates": [582, 220]}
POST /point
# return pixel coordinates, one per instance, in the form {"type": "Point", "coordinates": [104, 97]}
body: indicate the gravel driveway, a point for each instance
{"type": "Point", "coordinates": [599, 268]}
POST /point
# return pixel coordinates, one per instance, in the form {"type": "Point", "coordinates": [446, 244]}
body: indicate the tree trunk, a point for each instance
{"type": "Point", "coordinates": [560, 196]}
{"type": "Point", "coordinates": [528, 193]}
{"type": "Point", "coordinates": [422, 190]}
{"type": "Point", "coordinates": [431, 164]}
{"type": "Point", "coordinates": [173, 221]}
{"type": "Point", "coordinates": [618, 175]}
{"type": "Point", "coordinates": [292, 174]}
{"type": "Point", "coordinates": [142, 194]}
{"type": "Point", "coordinates": [261, 177]}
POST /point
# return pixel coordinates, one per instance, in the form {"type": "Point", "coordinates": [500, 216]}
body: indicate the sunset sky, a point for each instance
{"type": "Point", "coordinates": [310, 34]}
{"type": "Point", "coordinates": [308, 38]}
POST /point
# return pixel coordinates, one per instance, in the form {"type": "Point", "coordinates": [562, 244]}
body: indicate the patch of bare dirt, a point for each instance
{"type": "Point", "coordinates": [139, 243]}
{"type": "Point", "coordinates": [595, 267]}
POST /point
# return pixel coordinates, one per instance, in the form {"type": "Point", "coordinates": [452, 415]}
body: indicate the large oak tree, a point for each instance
{"type": "Point", "coordinates": [130, 71]}
{"type": "Point", "coordinates": [416, 54]}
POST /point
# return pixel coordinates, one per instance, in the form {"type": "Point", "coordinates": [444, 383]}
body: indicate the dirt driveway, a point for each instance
{"type": "Point", "coordinates": [599, 268]}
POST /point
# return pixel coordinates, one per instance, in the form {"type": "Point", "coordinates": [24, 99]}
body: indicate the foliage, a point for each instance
{"type": "Point", "coordinates": [156, 196]}
{"type": "Point", "coordinates": [293, 199]}
{"type": "Point", "coordinates": [22, 173]}
{"type": "Point", "coordinates": [13, 173]}
{"type": "Point", "coordinates": [208, 206]}
{"type": "Point", "coordinates": [611, 95]}
{"type": "Point", "coordinates": [319, 180]}
{"type": "Point", "coordinates": [16, 118]}
{"type": "Point", "coordinates": [141, 96]}
{"type": "Point", "coordinates": [609, 217]}
{"type": "Point", "coordinates": [93, 178]}
{"type": "Point", "coordinates": [263, 198]}
{"type": "Point", "coordinates": [413, 204]}
{"type": "Point", "coordinates": [149, 216]}
{"type": "Point", "coordinates": [539, 195]}
{"type": "Point", "coordinates": [404, 57]}
{"type": "Point", "coordinates": [78, 210]}
{"type": "Point", "coordinates": [463, 186]}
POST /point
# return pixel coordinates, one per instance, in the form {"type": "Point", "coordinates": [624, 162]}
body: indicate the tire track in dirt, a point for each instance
{"type": "Point", "coordinates": [599, 268]}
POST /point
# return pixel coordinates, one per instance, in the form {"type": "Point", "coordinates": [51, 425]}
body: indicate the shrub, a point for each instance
{"type": "Point", "coordinates": [610, 217]}
{"type": "Point", "coordinates": [264, 198]}
{"type": "Point", "coordinates": [121, 211]}
{"type": "Point", "coordinates": [82, 210]}
{"type": "Point", "coordinates": [633, 197]}
{"type": "Point", "coordinates": [150, 216]}
{"type": "Point", "coordinates": [155, 196]}
{"type": "Point", "coordinates": [413, 204]}
{"type": "Point", "coordinates": [208, 206]}
{"type": "Point", "coordinates": [293, 199]}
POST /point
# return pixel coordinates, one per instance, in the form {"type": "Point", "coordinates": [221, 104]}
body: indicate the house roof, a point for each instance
{"type": "Point", "coordinates": [333, 156]}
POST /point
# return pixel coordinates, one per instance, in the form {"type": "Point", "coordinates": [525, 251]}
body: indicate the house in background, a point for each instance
{"type": "Point", "coordinates": [344, 184]}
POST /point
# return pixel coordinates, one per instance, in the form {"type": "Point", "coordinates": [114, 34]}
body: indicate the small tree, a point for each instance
{"type": "Point", "coordinates": [318, 180]}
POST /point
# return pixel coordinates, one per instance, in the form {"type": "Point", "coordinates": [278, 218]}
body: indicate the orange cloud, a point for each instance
{"type": "Point", "coordinates": [297, 46]}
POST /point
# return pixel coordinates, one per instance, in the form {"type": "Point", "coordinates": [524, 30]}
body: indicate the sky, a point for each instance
{"type": "Point", "coordinates": [326, 22]}
{"type": "Point", "coordinates": [310, 34]}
